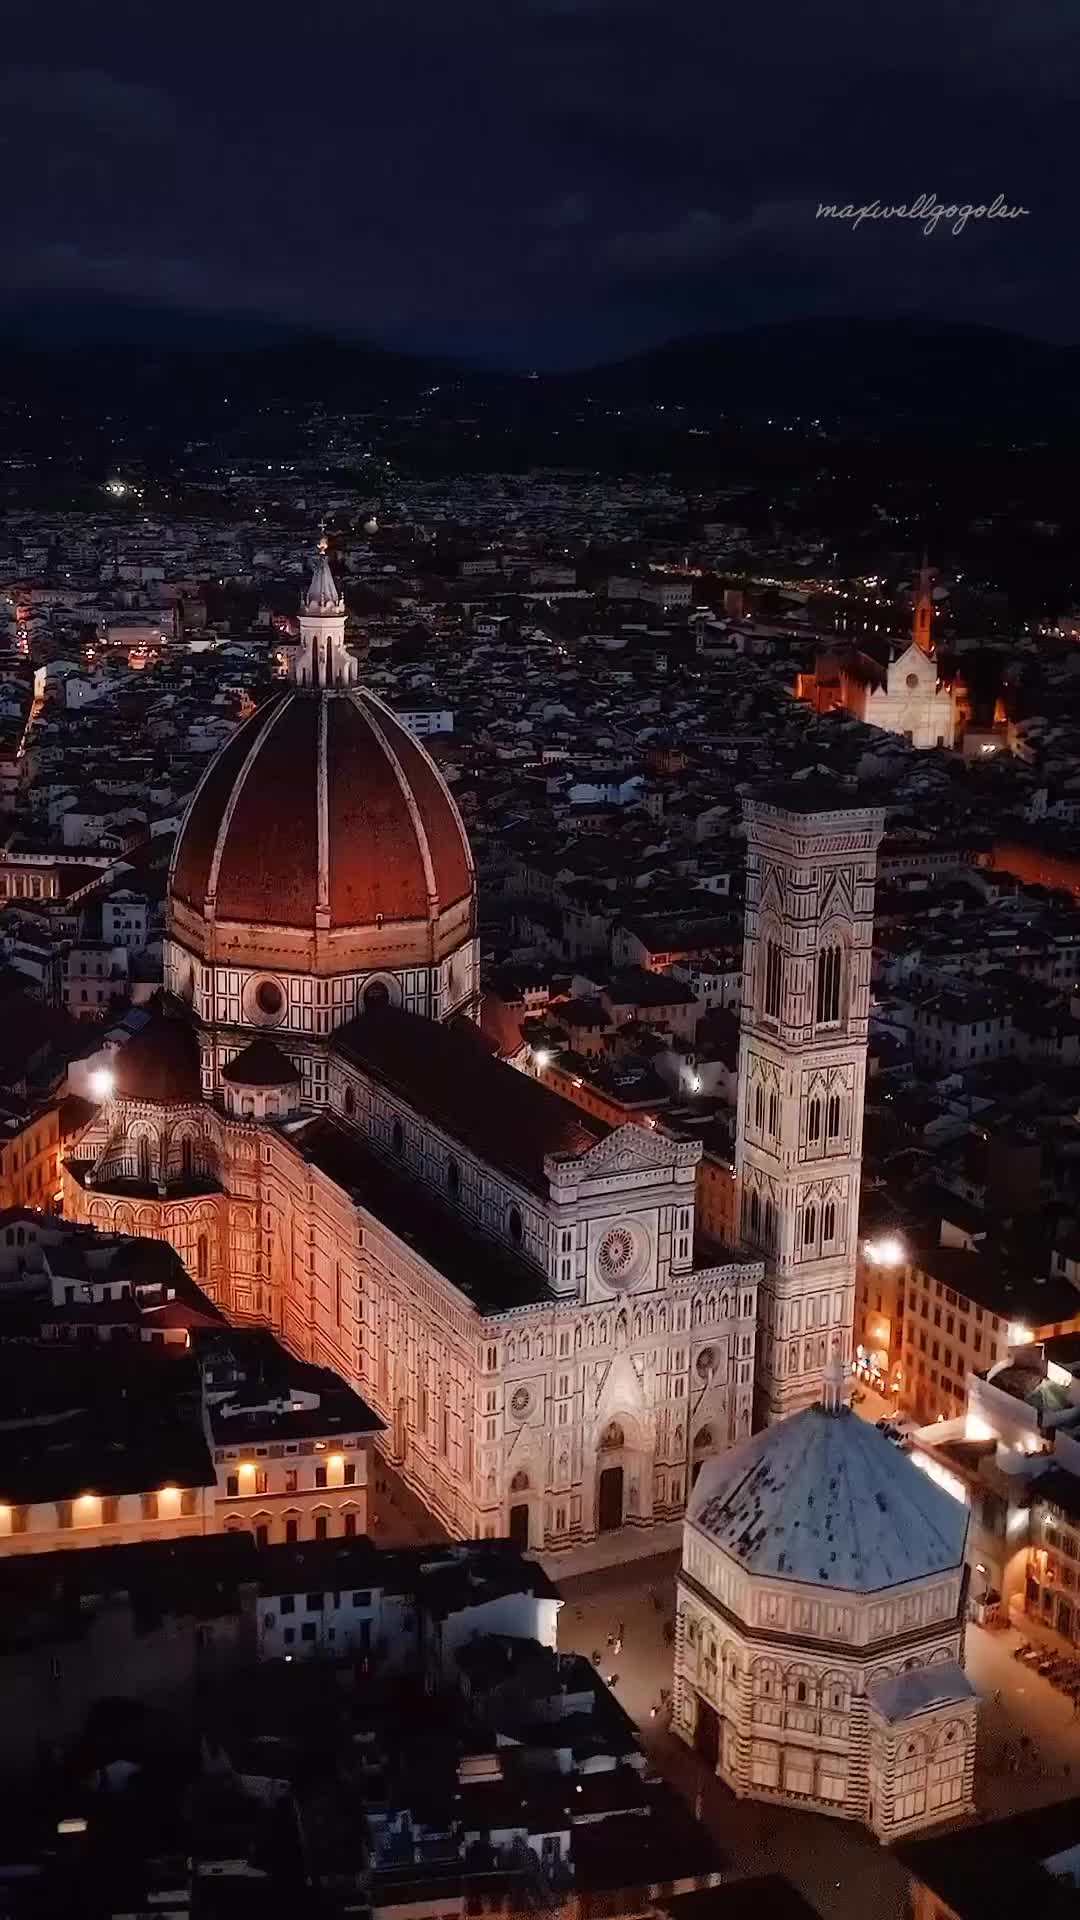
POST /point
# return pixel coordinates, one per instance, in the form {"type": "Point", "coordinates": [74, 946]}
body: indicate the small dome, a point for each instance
{"type": "Point", "coordinates": [823, 1498]}
{"type": "Point", "coordinates": [324, 817]}
{"type": "Point", "coordinates": [261, 1064]}
{"type": "Point", "coordinates": [160, 1064]}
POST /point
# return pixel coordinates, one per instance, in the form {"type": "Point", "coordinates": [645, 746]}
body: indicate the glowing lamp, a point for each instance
{"type": "Point", "coordinates": [101, 1083]}
{"type": "Point", "coordinates": [541, 1058]}
{"type": "Point", "coordinates": [1018, 1334]}
{"type": "Point", "coordinates": [335, 1459]}
{"type": "Point", "coordinates": [887, 1252]}
{"type": "Point", "coordinates": [75, 1825]}
{"type": "Point", "coordinates": [87, 1499]}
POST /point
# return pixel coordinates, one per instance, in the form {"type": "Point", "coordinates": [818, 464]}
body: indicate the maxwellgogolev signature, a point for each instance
{"type": "Point", "coordinates": [927, 209]}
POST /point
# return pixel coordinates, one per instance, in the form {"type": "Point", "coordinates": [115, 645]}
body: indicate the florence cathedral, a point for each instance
{"type": "Point", "coordinates": [318, 1128]}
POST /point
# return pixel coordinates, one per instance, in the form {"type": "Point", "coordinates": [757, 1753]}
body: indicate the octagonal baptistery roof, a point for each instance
{"type": "Point", "coordinates": [322, 837]}
{"type": "Point", "coordinates": [824, 1499]}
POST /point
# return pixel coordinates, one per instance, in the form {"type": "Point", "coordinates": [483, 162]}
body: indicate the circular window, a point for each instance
{"type": "Point", "coordinates": [453, 1179]}
{"type": "Point", "coordinates": [706, 1363]}
{"type": "Point", "coordinates": [269, 998]}
{"type": "Point", "coordinates": [616, 1253]}
{"type": "Point", "coordinates": [520, 1402]}
{"type": "Point", "coordinates": [376, 996]}
{"type": "Point", "coordinates": [912, 681]}
{"type": "Point", "coordinates": [515, 1226]}
{"type": "Point", "coordinates": [397, 1136]}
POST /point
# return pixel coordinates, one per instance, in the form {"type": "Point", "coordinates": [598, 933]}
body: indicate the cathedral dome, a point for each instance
{"type": "Point", "coordinates": [322, 837]}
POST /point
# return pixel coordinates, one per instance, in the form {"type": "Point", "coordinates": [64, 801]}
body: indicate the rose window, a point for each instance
{"type": "Point", "coordinates": [621, 1257]}
{"type": "Point", "coordinates": [520, 1402]}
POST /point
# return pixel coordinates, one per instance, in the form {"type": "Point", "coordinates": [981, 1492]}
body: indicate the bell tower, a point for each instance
{"type": "Point", "coordinates": [922, 625]}
{"type": "Point", "coordinates": [811, 869]}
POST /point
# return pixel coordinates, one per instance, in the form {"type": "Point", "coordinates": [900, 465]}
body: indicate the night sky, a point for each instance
{"type": "Point", "coordinates": [540, 182]}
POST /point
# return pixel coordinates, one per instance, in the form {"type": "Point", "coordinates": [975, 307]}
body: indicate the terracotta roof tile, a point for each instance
{"type": "Point", "coordinates": [507, 1118]}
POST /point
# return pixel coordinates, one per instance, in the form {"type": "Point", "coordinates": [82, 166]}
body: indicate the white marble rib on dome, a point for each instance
{"type": "Point", "coordinates": [824, 1498]}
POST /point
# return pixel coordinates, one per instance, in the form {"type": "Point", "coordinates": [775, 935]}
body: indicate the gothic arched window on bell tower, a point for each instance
{"type": "Point", "coordinates": [827, 995]}
{"type": "Point", "coordinates": [813, 1121]}
{"type": "Point", "coordinates": [774, 973]}
{"type": "Point", "coordinates": [828, 1222]}
{"type": "Point", "coordinates": [759, 1106]}
{"type": "Point", "coordinates": [809, 1224]}
{"type": "Point", "coordinates": [832, 1117]}
{"type": "Point", "coordinates": [774, 1113]}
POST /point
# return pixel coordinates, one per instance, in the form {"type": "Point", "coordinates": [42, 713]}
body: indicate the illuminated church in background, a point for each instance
{"type": "Point", "coordinates": [904, 695]}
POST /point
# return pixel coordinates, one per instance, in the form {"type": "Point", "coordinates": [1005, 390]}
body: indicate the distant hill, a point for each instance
{"type": "Point", "coordinates": [861, 372]}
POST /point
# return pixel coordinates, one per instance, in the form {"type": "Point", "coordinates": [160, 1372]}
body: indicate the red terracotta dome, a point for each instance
{"type": "Point", "coordinates": [322, 817]}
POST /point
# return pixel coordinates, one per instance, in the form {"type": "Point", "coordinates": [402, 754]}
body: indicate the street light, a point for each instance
{"type": "Point", "coordinates": [101, 1083]}
{"type": "Point", "coordinates": [541, 1058]}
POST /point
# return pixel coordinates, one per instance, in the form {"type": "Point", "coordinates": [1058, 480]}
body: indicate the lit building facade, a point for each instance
{"type": "Point", "coordinates": [905, 696]}
{"type": "Point", "coordinates": [522, 1293]}
{"type": "Point", "coordinates": [820, 1625]}
{"type": "Point", "coordinates": [802, 1068]}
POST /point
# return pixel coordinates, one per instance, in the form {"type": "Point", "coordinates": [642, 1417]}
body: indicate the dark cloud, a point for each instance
{"type": "Point", "coordinates": [554, 180]}
{"type": "Point", "coordinates": [87, 98]}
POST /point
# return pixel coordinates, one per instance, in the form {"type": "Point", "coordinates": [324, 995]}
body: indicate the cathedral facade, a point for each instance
{"type": "Point", "coordinates": [318, 1128]}
{"type": "Point", "coordinates": [904, 695]}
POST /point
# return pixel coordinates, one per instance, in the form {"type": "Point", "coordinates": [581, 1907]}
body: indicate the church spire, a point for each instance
{"type": "Point", "coordinates": [322, 595]}
{"type": "Point", "coordinates": [922, 625]}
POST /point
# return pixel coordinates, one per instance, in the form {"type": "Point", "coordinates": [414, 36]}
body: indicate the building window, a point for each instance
{"type": "Point", "coordinates": [320, 1476]}
{"type": "Point", "coordinates": [832, 1116]}
{"type": "Point", "coordinates": [813, 1121]}
{"type": "Point", "coordinates": [759, 1107]}
{"type": "Point", "coordinates": [397, 1136]}
{"type": "Point", "coordinates": [827, 1002]}
{"type": "Point", "coordinates": [322, 1526]}
{"type": "Point", "coordinates": [149, 1506]}
{"type": "Point", "coordinates": [828, 1220]}
{"type": "Point", "coordinates": [515, 1226]}
{"type": "Point", "coordinates": [232, 1485]}
{"type": "Point", "coordinates": [202, 1253]}
{"type": "Point", "coordinates": [773, 977]}
{"type": "Point", "coordinates": [809, 1225]}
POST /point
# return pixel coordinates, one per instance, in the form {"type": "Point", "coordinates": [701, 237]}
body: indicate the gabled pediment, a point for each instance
{"type": "Point", "coordinates": [628, 1150]}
